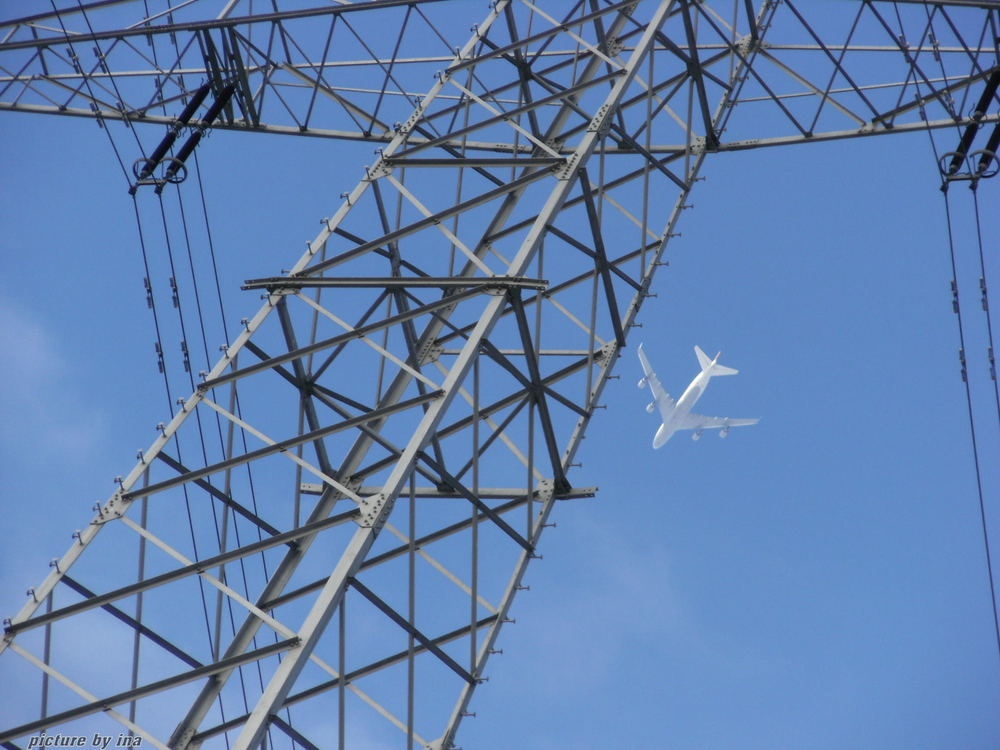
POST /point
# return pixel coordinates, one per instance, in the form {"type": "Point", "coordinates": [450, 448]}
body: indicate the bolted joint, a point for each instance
{"type": "Point", "coordinates": [614, 46]}
{"type": "Point", "coordinates": [112, 509]}
{"type": "Point", "coordinates": [600, 123]}
{"type": "Point", "coordinates": [373, 512]}
{"type": "Point", "coordinates": [606, 352]}
{"type": "Point", "coordinates": [566, 170]}
{"type": "Point", "coordinates": [413, 119]}
{"type": "Point", "coordinates": [546, 488]}
{"type": "Point", "coordinates": [184, 741]}
{"type": "Point", "coordinates": [381, 168]}
{"type": "Point", "coordinates": [430, 352]}
{"type": "Point", "coordinates": [744, 45]}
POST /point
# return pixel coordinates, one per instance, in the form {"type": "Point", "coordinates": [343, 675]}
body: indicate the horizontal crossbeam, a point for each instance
{"type": "Point", "coordinates": [282, 446]}
{"type": "Point", "coordinates": [397, 282]}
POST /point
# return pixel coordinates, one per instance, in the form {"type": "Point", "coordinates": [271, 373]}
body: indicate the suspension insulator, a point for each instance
{"type": "Point", "coordinates": [989, 162]}
{"type": "Point", "coordinates": [168, 140]}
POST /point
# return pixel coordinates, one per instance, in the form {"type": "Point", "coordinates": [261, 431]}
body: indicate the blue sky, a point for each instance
{"type": "Point", "coordinates": [818, 580]}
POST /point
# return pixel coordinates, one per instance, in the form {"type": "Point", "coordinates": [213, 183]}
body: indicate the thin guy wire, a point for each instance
{"type": "Point", "coordinates": [184, 487]}
{"type": "Point", "coordinates": [236, 528]}
{"type": "Point", "coordinates": [218, 419]}
{"type": "Point", "coordinates": [201, 434]}
{"type": "Point", "coordinates": [201, 317]}
{"type": "Point", "coordinates": [223, 318]}
{"type": "Point", "coordinates": [152, 306]}
{"type": "Point", "coordinates": [986, 304]}
{"type": "Point", "coordinates": [972, 423]}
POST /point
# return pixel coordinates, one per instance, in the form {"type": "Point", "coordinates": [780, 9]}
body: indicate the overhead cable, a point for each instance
{"type": "Point", "coordinates": [972, 420]}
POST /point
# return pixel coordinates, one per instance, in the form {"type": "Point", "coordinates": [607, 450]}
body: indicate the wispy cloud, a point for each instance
{"type": "Point", "coordinates": [624, 594]}
{"type": "Point", "coordinates": [49, 438]}
{"type": "Point", "coordinates": [43, 415]}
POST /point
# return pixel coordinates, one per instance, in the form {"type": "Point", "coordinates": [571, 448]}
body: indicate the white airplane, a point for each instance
{"type": "Point", "coordinates": [677, 414]}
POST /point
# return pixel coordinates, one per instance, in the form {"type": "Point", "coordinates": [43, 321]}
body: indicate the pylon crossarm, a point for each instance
{"type": "Point", "coordinates": [41, 69]}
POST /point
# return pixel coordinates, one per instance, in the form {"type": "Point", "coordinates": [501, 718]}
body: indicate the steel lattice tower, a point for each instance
{"type": "Point", "coordinates": [399, 418]}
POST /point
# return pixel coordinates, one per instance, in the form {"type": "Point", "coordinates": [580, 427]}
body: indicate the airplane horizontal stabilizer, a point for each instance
{"type": "Point", "coordinates": [710, 366]}
{"type": "Point", "coordinates": [721, 370]}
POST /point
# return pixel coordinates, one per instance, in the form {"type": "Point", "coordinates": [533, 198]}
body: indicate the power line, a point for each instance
{"type": "Point", "coordinates": [985, 299]}
{"type": "Point", "coordinates": [972, 419]}
{"type": "Point", "coordinates": [90, 91]}
{"type": "Point", "coordinates": [945, 183]}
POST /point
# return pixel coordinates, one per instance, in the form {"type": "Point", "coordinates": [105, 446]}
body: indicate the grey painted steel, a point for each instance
{"type": "Point", "coordinates": [413, 341]}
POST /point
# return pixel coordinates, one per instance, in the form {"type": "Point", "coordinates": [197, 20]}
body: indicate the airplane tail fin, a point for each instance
{"type": "Point", "coordinates": [710, 365]}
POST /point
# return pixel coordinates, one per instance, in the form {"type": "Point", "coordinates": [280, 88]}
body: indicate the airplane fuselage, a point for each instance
{"type": "Point", "coordinates": [677, 415]}
{"type": "Point", "coordinates": [680, 411]}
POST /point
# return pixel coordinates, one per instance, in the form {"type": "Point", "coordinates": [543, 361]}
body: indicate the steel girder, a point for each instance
{"type": "Point", "coordinates": [327, 72]}
{"type": "Point", "coordinates": [436, 355]}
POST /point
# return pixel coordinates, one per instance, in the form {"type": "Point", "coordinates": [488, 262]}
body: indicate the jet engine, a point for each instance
{"type": "Point", "coordinates": [642, 383]}
{"type": "Point", "coordinates": [723, 432]}
{"type": "Point", "coordinates": [696, 435]}
{"type": "Point", "coordinates": [652, 405]}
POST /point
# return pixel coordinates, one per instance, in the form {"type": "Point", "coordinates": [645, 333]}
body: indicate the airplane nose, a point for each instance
{"type": "Point", "coordinates": [662, 436]}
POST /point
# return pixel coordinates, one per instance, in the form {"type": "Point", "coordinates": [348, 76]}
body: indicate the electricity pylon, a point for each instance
{"type": "Point", "coordinates": [348, 500]}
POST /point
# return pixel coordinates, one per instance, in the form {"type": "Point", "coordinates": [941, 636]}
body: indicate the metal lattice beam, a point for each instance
{"type": "Point", "coordinates": [456, 320]}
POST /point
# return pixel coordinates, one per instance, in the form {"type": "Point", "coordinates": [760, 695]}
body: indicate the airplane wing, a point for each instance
{"type": "Point", "coordinates": [663, 400]}
{"type": "Point", "coordinates": [699, 422]}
